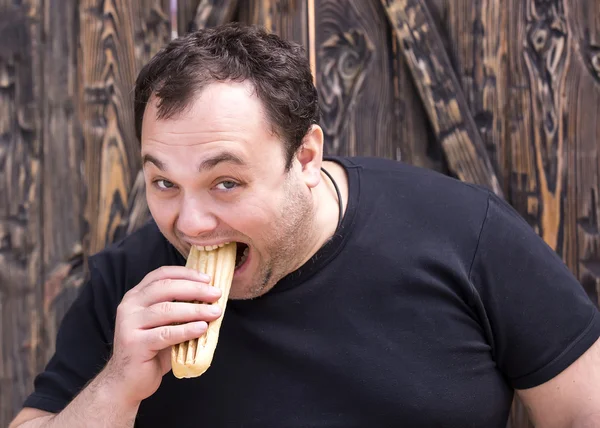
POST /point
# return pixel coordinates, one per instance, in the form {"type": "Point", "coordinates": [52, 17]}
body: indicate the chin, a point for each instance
{"type": "Point", "coordinates": [245, 290]}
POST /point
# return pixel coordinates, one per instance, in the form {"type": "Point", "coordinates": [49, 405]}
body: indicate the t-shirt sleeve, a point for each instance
{"type": "Point", "coordinates": [536, 313]}
{"type": "Point", "coordinates": [83, 346]}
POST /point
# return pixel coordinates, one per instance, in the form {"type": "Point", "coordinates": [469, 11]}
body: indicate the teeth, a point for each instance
{"type": "Point", "coordinates": [210, 247]}
{"type": "Point", "coordinates": [244, 257]}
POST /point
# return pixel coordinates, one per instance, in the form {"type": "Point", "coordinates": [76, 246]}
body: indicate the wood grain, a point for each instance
{"type": "Point", "coordinates": [21, 156]}
{"type": "Point", "coordinates": [477, 32]}
{"type": "Point", "coordinates": [186, 11]}
{"type": "Point", "coordinates": [286, 18]}
{"type": "Point", "coordinates": [62, 169]}
{"type": "Point", "coordinates": [152, 28]}
{"type": "Point", "coordinates": [581, 247]}
{"type": "Point", "coordinates": [211, 13]}
{"type": "Point", "coordinates": [152, 31]}
{"type": "Point", "coordinates": [538, 62]}
{"type": "Point", "coordinates": [546, 58]}
{"type": "Point", "coordinates": [441, 93]}
{"type": "Point", "coordinates": [357, 79]}
{"type": "Point", "coordinates": [108, 70]}
{"type": "Point", "coordinates": [413, 139]}
{"type": "Point", "coordinates": [505, 94]}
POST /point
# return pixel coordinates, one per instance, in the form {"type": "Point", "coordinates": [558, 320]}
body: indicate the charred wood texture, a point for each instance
{"type": "Point", "coordinates": [68, 159]}
{"type": "Point", "coordinates": [21, 227]}
{"type": "Point", "coordinates": [441, 93]}
{"type": "Point", "coordinates": [368, 99]}
{"type": "Point", "coordinates": [502, 94]}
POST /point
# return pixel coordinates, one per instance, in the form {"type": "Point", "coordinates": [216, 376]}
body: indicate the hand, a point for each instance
{"type": "Point", "coordinates": [149, 322]}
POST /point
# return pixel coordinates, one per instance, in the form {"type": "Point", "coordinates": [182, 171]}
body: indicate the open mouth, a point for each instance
{"type": "Point", "coordinates": [242, 254]}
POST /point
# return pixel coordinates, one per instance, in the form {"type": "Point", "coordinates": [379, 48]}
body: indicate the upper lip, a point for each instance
{"type": "Point", "coordinates": [209, 243]}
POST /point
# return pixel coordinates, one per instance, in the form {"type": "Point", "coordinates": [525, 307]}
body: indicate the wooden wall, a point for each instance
{"type": "Point", "coordinates": [501, 93]}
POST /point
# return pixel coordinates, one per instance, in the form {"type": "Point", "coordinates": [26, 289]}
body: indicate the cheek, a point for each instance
{"type": "Point", "coordinates": [251, 216]}
{"type": "Point", "coordinates": [163, 211]}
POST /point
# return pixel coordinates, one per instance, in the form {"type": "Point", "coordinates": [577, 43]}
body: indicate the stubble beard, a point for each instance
{"type": "Point", "coordinates": [289, 240]}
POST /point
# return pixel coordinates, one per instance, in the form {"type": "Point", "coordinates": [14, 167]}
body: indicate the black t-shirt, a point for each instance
{"type": "Point", "coordinates": [432, 302]}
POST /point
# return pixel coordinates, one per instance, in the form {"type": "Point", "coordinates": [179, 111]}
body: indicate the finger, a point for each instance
{"type": "Point", "coordinates": [184, 290]}
{"type": "Point", "coordinates": [173, 272]}
{"type": "Point", "coordinates": [167, 313]}
{"type": "Point", "coordinates": [160, 338]}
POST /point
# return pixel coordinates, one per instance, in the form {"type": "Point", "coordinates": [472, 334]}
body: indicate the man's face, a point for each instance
{"type": "Point", "coordinates": [216, 173]}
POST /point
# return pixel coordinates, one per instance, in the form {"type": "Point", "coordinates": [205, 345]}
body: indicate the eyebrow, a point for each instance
{"type": "Point", "coordinates": [206, 164]}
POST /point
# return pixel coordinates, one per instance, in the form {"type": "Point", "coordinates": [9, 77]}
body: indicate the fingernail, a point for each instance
{"type": "Point", "coordinates": [203, 277]}
{"type": "Point", "coordinates": [214, 291]}
{"type": "Point", "coordinates": [215, 310]}
{"type": "Point", "coordinates": [199, 326]}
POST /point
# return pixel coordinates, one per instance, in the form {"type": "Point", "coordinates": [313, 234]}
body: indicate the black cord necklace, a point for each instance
{"type": "Point", "coordinates": [339, 196]}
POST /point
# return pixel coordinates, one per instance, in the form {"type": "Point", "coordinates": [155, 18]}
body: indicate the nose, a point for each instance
{"type": "Point", "coordinates": [195, 218]}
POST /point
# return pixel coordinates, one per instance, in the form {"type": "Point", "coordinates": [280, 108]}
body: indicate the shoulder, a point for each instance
{"type": "Point", "coordinates": [125, 262]}
{"type": "Point", "coordinates": [419, 192]}
{"type": "Point", "coordinates": [404, 176]}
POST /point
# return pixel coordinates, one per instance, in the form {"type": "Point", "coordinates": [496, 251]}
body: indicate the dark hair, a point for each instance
{"type": "Point", "coordinates": [278, 70]}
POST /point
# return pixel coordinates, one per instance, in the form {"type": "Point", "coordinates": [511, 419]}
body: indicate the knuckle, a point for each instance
{"type": "Point", "coordinates": [121, 309]}
{"type": "Point", "coordinates": [127, 296]}
{"type": "Point", "coordinates": [163, 271]}
{"type": "Point", "coordinates": [133, 294]}
{"type": "Point", "coordinates": [165, 334]}
{"type": "Point", "coordinates": [164, 308]}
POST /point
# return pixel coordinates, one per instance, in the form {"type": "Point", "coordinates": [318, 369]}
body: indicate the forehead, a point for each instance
{"type": "Point", "coordinates": [220, 110]}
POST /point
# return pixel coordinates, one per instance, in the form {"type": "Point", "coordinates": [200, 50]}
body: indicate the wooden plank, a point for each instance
{"type": "Point", "coordinates": [211, 13]}
{"type": "Point", "coordinates": [539, 61]}
{"type": "Point", "coordinates": [62, 173]}
{"type": "Point", "coordinates": [581, 247]}
{"type": "Point", "coordinates": [345, 63]}
{"type": "Point", "coordinates": [186, 11]}
{"type": "Point", "coordinates": [21, 265]}
{"type": "Point", "coordinates": [286, 18]}
{"type": "Point", "coordinates": [440, 92]}
{"type": "Point", "coordinates": [108, 70]}
{"type": "Point", "coordinates": [355, 79]}
{"type": "Point", "coordinates": [412, 138]}
{"type": "Point", "coordinates": [547, 58]}
{"type": "Point", "coordinates": [152, 29]}
{"type": "Point", "coordinates": [476, 36]}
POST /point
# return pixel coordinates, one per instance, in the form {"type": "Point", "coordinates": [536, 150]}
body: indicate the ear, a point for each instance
{"type": "Point", "coordinates": [310, 156]}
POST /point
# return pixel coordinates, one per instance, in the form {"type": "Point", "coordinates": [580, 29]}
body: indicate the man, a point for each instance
{"type": "Point", "coordinates": [373, 293]}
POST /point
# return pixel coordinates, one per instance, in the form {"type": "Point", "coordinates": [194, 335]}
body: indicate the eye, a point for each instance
{"type": "Point", "coordinates": [227, 185]}
{"type": "Point", "coordinates": [163, 184]}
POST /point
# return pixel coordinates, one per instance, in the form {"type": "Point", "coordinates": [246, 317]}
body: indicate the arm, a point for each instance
{"type": "Point", "coordinates": [571, 399]}
{"type": "Point", "coordinates": [541, 323]}
{"type": "Point", "coordinates": [98, 405]}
